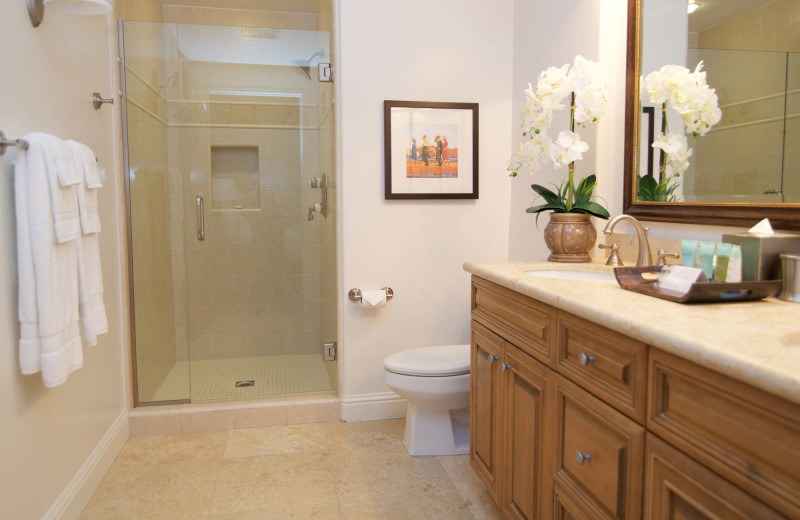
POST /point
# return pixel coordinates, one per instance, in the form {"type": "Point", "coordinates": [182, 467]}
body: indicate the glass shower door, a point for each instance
{"type": "Point", "coordinates": [247, 129]}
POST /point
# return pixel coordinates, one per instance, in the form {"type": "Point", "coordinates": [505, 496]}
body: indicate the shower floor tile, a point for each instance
{"type": "Point", "coordinates": [272, 375]}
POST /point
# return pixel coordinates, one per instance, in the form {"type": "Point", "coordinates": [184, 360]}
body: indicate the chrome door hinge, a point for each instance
{"type": "Point", "coordinates": [329, 351]}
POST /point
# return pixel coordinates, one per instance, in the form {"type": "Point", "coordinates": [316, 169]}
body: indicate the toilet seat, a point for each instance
{"type": "Point", "coordinates": [448, 360]}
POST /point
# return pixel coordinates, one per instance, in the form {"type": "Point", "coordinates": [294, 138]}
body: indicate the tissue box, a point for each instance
{"type": "Point", "coordinates": [760, 260]}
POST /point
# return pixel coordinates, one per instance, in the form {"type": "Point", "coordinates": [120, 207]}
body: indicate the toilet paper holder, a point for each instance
{"type": "Point", "coordinates": [355, 294]}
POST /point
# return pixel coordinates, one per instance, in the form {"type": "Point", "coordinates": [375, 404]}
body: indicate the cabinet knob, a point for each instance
{"type": "Point", "coordinates": [580, 458]}
{"type": "Point", "coordinates": [584, 360]}
{"type": "Point", "coordinates": [504, 366]}
{"type": "Point", "coordinates": [492, 358]}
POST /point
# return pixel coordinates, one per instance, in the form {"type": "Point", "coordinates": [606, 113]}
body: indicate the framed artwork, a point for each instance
{"type": "Point", "coordinates": [431, 150]}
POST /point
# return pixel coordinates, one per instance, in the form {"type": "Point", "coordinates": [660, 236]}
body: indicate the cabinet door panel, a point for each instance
{"type": "Point", "coordinates": [485, 413]}
{"type": "Point", "coordinates": [527, 486]}
{"type": "Point", "coordinates": [599, 453]}
{"type": "Point", "coordinates": [678, 488]}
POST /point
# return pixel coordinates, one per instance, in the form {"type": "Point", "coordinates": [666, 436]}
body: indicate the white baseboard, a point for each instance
{"type": "Point", "coordinates": [76, 495]}
{"type": "Point", "coordinates": [373, 407]}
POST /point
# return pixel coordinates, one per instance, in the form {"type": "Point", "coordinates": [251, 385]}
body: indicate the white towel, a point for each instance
{"type": "Point", "coordinates": [50, 339]}
{"type": "Point", "coordinates": [86, 165]}
{"type": "Point", "coordinates": [90, 276]}
{"type": "Point", "coordinates": [62, 177]}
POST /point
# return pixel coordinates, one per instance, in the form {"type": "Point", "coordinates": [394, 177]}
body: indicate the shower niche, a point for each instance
{"type": "Point", "coordinates": [239, 121]}
{"type": "Point", "coordinates": [235, 178]}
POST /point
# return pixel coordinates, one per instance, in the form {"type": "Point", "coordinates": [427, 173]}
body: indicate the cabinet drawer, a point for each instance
{"type": "Point", "coordinates": [528, 324]}
{"type": "Point", "coordinates": [745, 435]}
{"type": "Point", "coordinates": [676, 487]}
{"type": "Point", "coordinates": [599, 454]}
{"type": "Point", "coordinates": [606, 363]}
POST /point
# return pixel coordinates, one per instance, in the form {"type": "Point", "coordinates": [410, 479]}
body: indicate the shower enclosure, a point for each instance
{"type": "Point", "coordinates": [750, 156]}
{"type": "Point", "coordinates": [226, 129]}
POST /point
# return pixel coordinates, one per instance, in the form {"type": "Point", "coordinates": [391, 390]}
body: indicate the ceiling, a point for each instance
{"type": "Point", "coordinates": [292, 6]}
{"type": "Point", "coordinates": [713, 12]}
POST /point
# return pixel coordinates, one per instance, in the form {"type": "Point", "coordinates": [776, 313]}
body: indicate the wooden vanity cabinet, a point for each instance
{"type": "Point", "coordinates": [527, 388]}
{"type": "Point", "coordinates": [571, 420]}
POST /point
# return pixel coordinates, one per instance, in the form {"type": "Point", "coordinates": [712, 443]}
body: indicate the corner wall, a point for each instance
{"type": "Point", "coordinates": [55, 444]}
{"type": "Point", "coordinates": [426, 51]}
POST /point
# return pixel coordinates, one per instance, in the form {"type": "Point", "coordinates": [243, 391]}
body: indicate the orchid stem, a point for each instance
{"type": "Point", "coordinates": [571, 179]}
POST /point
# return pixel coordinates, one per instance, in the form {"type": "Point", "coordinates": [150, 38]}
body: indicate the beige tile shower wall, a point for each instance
{"type": "Point", "coordinates": [150, 214]}
{"type": "Point", "coordinates": [743, 156]}
{"type": "Point", "coordinates": [139, 10]}
{"type": "Point", "coordinates": [239, 17]}
{"type": "Point", "coordinates": [253, 284]}
{"type": "Point", "coordinates": [773, 27]}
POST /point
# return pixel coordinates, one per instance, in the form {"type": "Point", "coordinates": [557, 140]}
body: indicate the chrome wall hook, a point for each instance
{"type": "Point", "coordinates": [98, 100]}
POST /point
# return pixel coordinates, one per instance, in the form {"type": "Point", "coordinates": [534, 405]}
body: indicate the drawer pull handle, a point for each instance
{"type": "Point", "coordinates": [492, 358]}
{"type": "Point", "coordinates": [584, 360]}
{"type": "Point", "coordinates": [580, 458]}
{"type": "Point", "coordinates": [505, 367]}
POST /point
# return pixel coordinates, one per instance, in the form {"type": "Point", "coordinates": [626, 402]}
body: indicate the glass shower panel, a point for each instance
{"type": "Point", "coordinates": [790, 186]}
{"type": "Point", "coordinates": [247, 128]}
{"type": "Point", "coordinates": [741, 158]}
{"type": "Point", "coordinates": [161, 350]}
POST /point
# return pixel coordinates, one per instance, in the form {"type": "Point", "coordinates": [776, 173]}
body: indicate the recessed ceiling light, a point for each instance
{"type": "Point", "coordinates": [692, 6]}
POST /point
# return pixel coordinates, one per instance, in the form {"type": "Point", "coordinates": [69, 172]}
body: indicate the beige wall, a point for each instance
{"type": "Point", "coordinates": [48, 435]}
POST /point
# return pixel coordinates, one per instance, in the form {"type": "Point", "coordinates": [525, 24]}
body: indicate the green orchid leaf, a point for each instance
{"type": "Point", "coordinates": [547, 195]}
{"type": "Point", "coordinates": [592, 208]}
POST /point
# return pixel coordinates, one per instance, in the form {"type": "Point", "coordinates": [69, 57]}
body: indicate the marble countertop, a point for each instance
{"type": "Point", "coordinates": [755, 342]}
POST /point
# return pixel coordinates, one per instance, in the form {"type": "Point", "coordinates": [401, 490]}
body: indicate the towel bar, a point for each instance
{"type": "Point", "coordinates": [5, 143]}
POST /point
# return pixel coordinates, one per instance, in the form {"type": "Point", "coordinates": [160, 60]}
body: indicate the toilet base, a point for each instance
{"type": "Point", "coordinates": [436, 431]}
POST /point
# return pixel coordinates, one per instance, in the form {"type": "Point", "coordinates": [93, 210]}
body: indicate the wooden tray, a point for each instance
{"type": "Point", "coordinates": [631, 279]}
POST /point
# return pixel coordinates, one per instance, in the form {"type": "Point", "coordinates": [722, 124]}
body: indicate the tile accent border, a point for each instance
{"type": "Point", "coordinates": [373, 407]}
{"type": "Point", "coordinates": [76, 495]}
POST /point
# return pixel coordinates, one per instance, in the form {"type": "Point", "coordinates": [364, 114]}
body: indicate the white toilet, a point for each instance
{"type": "Point", "coordinates": [435, 382]}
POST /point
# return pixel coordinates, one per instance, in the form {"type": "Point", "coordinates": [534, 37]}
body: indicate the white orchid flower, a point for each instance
{"type": "Point", "coordinates": [534, 151]}
{"type": "Point", "coordinates": [590, 87]}
{"type": "Point", "coordinates": [554, 84]}
{"type": "Point", "coordinates": [676, 149]}
{"type": "Point", "coordinates": [567, 148]}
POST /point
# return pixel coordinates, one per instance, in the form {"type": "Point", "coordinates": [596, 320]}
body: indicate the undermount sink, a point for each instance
{"type": "Point", "coordinates": [573, 275]}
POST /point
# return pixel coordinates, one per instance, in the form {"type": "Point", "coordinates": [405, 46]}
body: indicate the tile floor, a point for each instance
{"type": "Point", "coordinates": [327, 471]}
{"type": "Point", "coordinates": [273, 375]}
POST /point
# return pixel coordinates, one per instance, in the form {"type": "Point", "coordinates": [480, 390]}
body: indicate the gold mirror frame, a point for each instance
{"type": "Point", "coordinates": [782, 216]}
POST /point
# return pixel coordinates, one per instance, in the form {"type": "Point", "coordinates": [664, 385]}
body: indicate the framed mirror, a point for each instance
{"type": "Point", "coordinates": [743, 167]}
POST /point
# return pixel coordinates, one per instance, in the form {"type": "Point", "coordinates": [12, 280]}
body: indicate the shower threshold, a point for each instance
{"type": "Point", "coordinates": [271, 375]}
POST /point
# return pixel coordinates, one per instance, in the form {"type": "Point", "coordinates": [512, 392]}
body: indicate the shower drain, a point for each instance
{"type": "Point", "coordinates": [242, 384]}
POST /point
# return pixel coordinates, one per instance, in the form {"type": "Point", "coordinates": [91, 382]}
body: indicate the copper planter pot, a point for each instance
{"type": "Point", "coordinates": [570, 237]}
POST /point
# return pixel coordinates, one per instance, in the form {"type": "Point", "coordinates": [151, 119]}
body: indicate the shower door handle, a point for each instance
{"type": "Point", "coordinates": [200, 210]}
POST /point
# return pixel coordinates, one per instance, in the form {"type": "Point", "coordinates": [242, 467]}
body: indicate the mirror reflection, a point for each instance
{"type": "Point", "coordinates": [750, 53]}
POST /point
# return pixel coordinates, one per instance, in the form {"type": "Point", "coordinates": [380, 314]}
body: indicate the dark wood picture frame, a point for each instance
{"type": "Point", "coordinates": [473, 153]}
{"type": "Point", "coordinates": [782, 216]}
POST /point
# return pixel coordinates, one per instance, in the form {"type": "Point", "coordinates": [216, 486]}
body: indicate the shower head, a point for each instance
{"type": "Point", "coordinates": [305, 65]}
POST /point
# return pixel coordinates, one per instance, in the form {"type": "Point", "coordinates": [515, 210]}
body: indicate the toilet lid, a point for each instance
{"type": "Point", "coordinates": [448, 360]}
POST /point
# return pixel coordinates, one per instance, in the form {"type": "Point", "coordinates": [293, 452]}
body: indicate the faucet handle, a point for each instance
{"type": "Point", "coordinates": [614, 258]}
{"type": "Point", "coordinates": [663, 255]}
